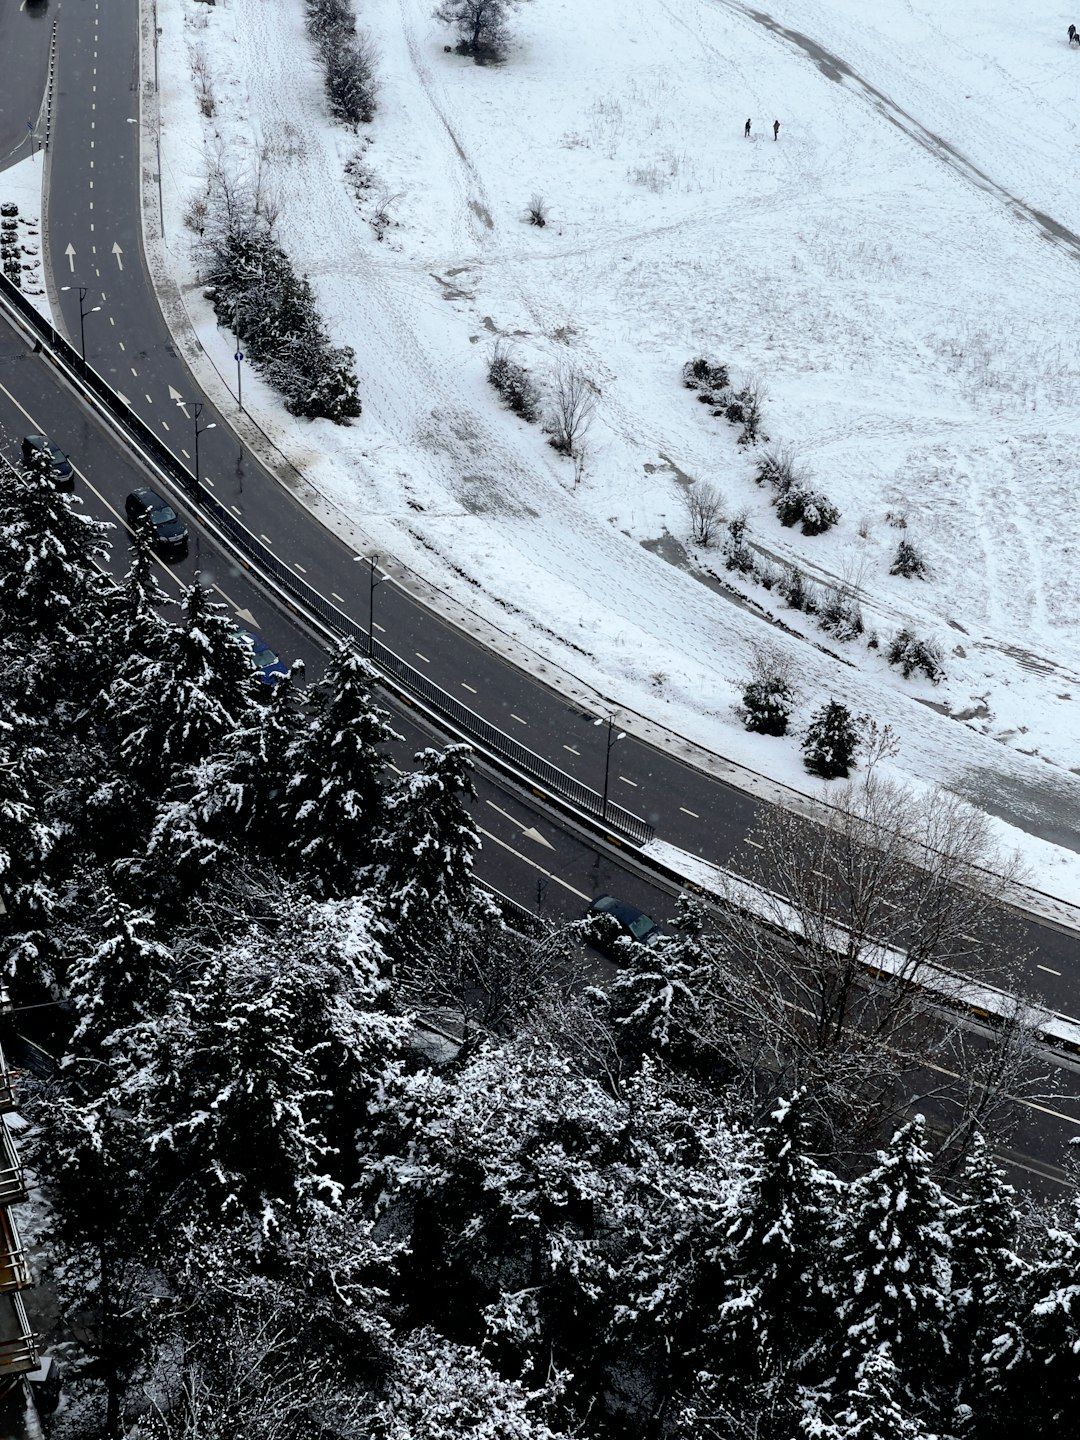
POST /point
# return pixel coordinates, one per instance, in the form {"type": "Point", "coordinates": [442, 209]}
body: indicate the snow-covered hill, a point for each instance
{"type": "Point", "coordinates": [898, 269]}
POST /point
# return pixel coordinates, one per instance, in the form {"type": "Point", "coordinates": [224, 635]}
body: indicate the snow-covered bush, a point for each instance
{"type": "Point", "coordinates": [769, 693]}
{"type": "Point", "coordinates": [908, 562]}
{"type": "Point", "coordinates": [831, 740]}
{"type": "Point", "coordinates": [910, 652]}
{"type": "Point", "coordinates": [808, 508]}
{"type": "Point", "coordinates": [349, 58]}
{"type": "Point", "coordinates": [481, 26]}
{"type": "Point", "coordinates": [257, 294]}
{"type": "Point", "coordinates": [840, 613]}
{"type": "Point", "coordinates": [514, 383]}
{"type": "Point", "coordinates": [709, 377]}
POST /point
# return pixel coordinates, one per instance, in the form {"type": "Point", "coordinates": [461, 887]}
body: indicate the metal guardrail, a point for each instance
{"type": "Point", "coordinates": [467, 721]}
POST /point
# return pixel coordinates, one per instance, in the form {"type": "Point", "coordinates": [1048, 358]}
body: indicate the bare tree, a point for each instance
{"type": "Point", "coordinates": [849, 965]}
{"type": "Point", "coordinates": [705, 509]}
{"type": "Point", "coordinates": [572, 409]}
{"type": "Point", "coordinates": [481, 24]}
{"type": "Point", "coordinates": [537, 211]}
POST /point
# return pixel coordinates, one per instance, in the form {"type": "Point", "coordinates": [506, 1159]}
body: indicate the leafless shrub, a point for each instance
{"type": "Point", "coordinates": [204, 85]}
{"type": "Point", "coordinates": [381, 219]}
{"type": "Point", "coordinates": [572, 409]}
{"type": "Point", "coordinates": [537, 211]}
{"type": "Point", "coordinates": [705, 508]}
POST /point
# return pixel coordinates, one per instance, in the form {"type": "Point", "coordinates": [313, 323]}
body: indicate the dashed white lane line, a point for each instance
{"type": "Point", "coordinates": [295, 565]}
{"type": "Point", "coordinates": [265, 538]}
{"type": "Point", "coordinates": [164, 424]}
{"type": "Point", "coordinates": [571, 749]}
{"type": "Point", "coordinates": [530, 861]}
{"type": "Point", "coordinates": [625, 781]}
{"type": "Point", "coordinates": [237, 511]}
{"type": "Point", "coordinates": [693, 814]}
{"type": "Point", "coordinates": [755, 843]}
{"type": "Point", "coordinates": [1048, 970]}
{"type": "Point", "coordinates": [518, 718]}
{"type": "Point", "coordinates": [381, 628]}
{"type": "Point", "coordinates": [466, 686]}
{"type": "Point", "coordinates": [149, 399]}
{"type": "Point", "coordinates": [333, 593]}
{"type": "Point", "coordinates": [422, 657]}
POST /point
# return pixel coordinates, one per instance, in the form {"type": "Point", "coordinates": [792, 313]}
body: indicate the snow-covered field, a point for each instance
{"type": "Point", "coordinates": [899, 270]}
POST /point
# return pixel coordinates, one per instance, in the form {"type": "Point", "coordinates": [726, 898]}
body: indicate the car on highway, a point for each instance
{"type": "Point", "coordinates": [170, 532]}
{"type": "Point", "coordinates": [62, 469]}
{"type": "Point", "coordinates": [615, 923]}
{"type": "Point", "coordinates": [269, 666]}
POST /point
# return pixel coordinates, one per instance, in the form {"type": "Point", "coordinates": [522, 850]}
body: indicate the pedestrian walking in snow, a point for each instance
{"type": "Point", "coordinates": [746, 130]}
{"type": "Point", "coordinates": [776, 129]}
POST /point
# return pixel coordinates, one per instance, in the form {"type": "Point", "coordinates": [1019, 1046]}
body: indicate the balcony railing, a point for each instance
{"type": "Point", "coordinates": [18, 1343]}
{"type": "Point", "coordinates": [12, 1171]}
{"type": "Point", "coordinates": [7, 1086]}
{"type": "Point", "coordinates": [14, 1268]}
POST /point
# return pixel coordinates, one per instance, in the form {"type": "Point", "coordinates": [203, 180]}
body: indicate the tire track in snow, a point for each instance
{"type": "Point", "coordinates": [476, 211]}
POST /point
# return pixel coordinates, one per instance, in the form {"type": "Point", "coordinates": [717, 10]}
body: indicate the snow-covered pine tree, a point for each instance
{"type": "Point", "coordinates": [892, 1269]}
{"type": "Point", "coordinates": [170, 710]}
{"type": "Point", "coordinates": [831, 741]}
{"type": "Point", "coordinates": [653, 997]}
{"type": "Point", "coordinates": [1034, 1363]}
{"type": "Point", "coordinates": [778, 1297]}
{"type": "Point", "coordinates": [423, 853]}
{"type": "Point", "coordinates": [27, 840]}
{"type": "Point", "coordinates": [48, 579]}
{"type": "Point", "coordinates": [232, 1103]}
{"type": "Point", "coordinates": [121, 981]}
{"type": "Point", "coordinates": [333, 802]}
{"type": "Point", "coordinates": [987, 1276]}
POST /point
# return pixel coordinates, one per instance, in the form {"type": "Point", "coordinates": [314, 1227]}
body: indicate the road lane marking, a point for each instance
{"type": "Point", "coordinates": [466, 686]}
{"type": "Point", "coordinates": [628, 782]}
{"type": "Point", "coordinates": [237, 511]}
{"type": "Point", "coordinates": [164, 424]}
{"type": "Point", "coordinates": [339, 598]}
{"type": "Point", "coordinates": [422, 657]}
{"type": "Point", "coordinates": [529, 861]}
{"type": "Point", "coordinates": [1048, 970]}
{"type": "Point", "coordinates": [755, 843]}
{"type": "Point", "coordinates": [266, 538]}
{"type": "Point", "coordinates": [691, 813]}
{"type": "Point", "coordinates": [149, 401]}
{"type": "Point", "coordinates": [295, 565]}
{"type": "Point", "coordinates": [376, 626]}
{"type": "Point", "coordinates": [571, 749]}
{"type": "Point", "coordinates": [518, 719]}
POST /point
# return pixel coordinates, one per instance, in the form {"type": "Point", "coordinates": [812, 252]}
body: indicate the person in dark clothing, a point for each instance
{"type": "Point", "coordinates": [776, 129]}
{"type": "Point", "coordinates": [746, 129]}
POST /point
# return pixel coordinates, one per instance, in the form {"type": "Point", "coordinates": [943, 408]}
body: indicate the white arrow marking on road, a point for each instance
{"type": "Point", "coordinates": [528, 831]}
{"type": "Point", "coordinates": [247, 618]}
{"type": "Point", "coordinates": [70, 253]}
{"type": "Point", "coordinates": [118, 253]}
{"type": "Point", "coordinates": [175, 395]}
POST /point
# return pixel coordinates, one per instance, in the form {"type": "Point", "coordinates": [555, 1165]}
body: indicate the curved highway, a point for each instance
{"type": "Point", "coordinates": [95, 242]}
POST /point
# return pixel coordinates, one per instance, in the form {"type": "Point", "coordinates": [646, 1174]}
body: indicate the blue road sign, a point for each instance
{"type": "Point", "coordinates": [238, 356]}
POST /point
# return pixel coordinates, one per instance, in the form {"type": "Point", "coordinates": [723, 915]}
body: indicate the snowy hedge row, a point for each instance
{"type": "Point", "coordinates": [258, 295]}
{"type": "Point", "coordinates": [348, 57]}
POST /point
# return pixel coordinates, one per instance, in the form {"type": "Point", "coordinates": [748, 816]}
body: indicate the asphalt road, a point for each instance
{"type": "Point", "coordinates": [25, 27]}
{"type": "Point", "coordinates": [96, 244]}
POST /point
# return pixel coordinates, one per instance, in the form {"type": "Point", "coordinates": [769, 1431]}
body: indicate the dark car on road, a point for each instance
{"type": "Point", "coordinates": [170, 532]}
{"type": "Point", "coordinates": [614, 923]}
{"type": "Point", "coordinates": [62, 469]}
{"type": "Point", "coordinates": [270, 666]}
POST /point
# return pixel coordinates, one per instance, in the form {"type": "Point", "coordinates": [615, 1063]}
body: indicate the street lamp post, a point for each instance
{"type": "Point", "coordinates": [200, 430]}
{"type": "Point", "coordinates": [373, 581]}
{"type": "Point", "coordinates": [612, 741]}
{"type": "Point", "coordinates": [83, 312]}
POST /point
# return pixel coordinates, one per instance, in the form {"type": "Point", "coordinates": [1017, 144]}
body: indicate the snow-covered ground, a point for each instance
{"type": "Point", "coordinates": [20, 184]}
{"type": "Point", "coordinates": [899, 270]}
